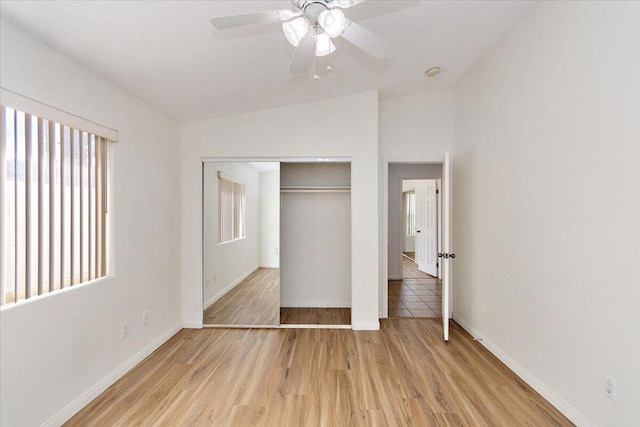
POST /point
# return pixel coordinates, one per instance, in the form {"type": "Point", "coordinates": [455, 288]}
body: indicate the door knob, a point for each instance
{"type": "Point", "coordinates": [452, 256]}
{"type": "Point", "coordinates": [439, 255]}
{"type": "Point", "coordinates": [417, 231]}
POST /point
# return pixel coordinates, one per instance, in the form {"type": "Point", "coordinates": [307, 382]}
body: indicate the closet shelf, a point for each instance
{"type": "Point", "coordinates": [317, 189]}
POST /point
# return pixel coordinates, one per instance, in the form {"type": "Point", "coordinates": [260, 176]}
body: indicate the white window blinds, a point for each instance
{"type": "Point", "coordinates": [53, 198]}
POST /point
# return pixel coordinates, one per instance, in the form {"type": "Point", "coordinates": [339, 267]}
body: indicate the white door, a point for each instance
{"type": "Point", "coordinates": [426, 227]}
{"type": "Point", "coordinates": [447, 255]}
{"type": "Point", "coordinates": [439, 223]}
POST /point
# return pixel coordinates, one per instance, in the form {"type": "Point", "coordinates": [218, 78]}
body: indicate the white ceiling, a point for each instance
{"type": "Point", "coordinates": [168, 54]}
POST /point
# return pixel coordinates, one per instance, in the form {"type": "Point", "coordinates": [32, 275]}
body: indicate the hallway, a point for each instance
{"type": "Point", "coordinates": [416, 295]}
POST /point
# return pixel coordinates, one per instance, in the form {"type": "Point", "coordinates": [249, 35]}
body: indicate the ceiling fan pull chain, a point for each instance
{"type": "Point", "coordinates": [316, 76]}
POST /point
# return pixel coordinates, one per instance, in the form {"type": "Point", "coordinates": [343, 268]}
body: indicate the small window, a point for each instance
{"type": "Point", "coordinates": [411, 213]}
{"type": "Point", "coordinates": [232, 209]}
{"type": "Point", "coordinates": [53, 181]}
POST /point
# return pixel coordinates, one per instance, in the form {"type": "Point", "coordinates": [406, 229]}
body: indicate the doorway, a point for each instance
{"type": "Point", "coordinates": [418, 291]}
{"type": "Point", "coordinates": [392, 284]}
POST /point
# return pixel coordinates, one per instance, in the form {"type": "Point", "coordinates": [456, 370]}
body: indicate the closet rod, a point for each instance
{"type": "Point", "coordinates": [315, 191]}
{"type": "Point", "coordinates": [323, 189]}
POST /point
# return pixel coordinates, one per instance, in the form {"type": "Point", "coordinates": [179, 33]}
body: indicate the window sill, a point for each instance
{"type": "Point", "coordinates": [231, 241]}
{"type": "Point", "coordinates": [36, 298]}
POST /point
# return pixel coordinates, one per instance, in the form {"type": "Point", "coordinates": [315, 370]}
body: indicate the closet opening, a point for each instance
{"type": "Point", "coordinates": [315, 234]}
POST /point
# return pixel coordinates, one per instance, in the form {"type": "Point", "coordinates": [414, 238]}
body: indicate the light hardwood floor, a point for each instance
{"type": "Point", "coordinates": [315, 316]}
{"type": "Point", "coordinates": [402, 375]}
{"type": "Point", "coordinates": [254, 301]}
{"type": "Point", "coordinates": [410, 255]}
{"type": "Point", "coordinates": [410, 270]}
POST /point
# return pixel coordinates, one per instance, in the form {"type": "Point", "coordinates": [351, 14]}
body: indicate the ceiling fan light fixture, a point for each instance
{"type": "Point", "coordinates": [324, 45]}
{"type": "Point", "coordinates": [295, 30]}
{"type": "Point", "coordinates": [332, 22]}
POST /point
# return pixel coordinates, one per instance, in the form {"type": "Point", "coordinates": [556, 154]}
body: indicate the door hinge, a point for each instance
{"type": "Point", "coordinates": [437, 191]}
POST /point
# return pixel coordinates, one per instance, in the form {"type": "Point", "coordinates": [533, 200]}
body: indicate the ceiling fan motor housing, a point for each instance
{"type": "Point", "coordinates": [312, 9]}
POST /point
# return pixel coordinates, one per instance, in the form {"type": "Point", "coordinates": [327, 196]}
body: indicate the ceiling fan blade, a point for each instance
{"type": "Point", "coordinates": [254, 18]}
{"type": "Point", "coordinates": [367, 41]}
{"type": "Point", "coordinates": [304, 54]}
{"type": "Point", "coordinates": [345, 4]}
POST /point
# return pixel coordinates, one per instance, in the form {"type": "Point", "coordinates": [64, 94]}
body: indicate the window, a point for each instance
{"type": "Point", "coordinates": [232, 209]}
{"type": "Point", "coordinates": [53, 181]}
{"type": "Point", "coordinates": [411, 213]}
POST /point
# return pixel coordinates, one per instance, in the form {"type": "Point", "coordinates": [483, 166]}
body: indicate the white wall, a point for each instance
{"type": "Point", "coordinates": [412, 184]}
{"type": "Point", "coordinates": [227, 264]}
{"type": "Point", "coordinates": [349, 128]}
{"type": "Point", "coordinates": [270, 219]}
{"type": "Point", "coordinates": [417, 126]}
{"type": "Point", "coordinates": [59, 348]}
{"type": "Point", "coordinates": [316, 237]}
{"type": "Point", "coordinates": [397, 174]}
{"type": "Point", "coordinates": [547, 205]}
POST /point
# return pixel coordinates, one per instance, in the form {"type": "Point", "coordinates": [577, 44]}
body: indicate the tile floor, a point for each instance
{"type": "Point", "coordinates": [415, 298]}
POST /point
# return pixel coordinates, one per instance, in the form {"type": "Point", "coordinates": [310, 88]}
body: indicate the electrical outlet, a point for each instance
{"type": "Point", "coordinates": [124, 330]}
{"type": "Point", "coordinates": [145, 317]}
{"type": "Point", "coordinates": [275, 251]}
{"type": "Point", "coordinates": [610, 388]}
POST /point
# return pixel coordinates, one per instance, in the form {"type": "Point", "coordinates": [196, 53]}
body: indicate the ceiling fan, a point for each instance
{"type": "Point", "coordinates": [310, 29]}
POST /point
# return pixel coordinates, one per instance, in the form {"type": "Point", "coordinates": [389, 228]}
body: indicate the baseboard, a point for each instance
{"type": "Point", "coordinates": [394, 277]}
{"type": "Point", "coordinates": [192, 324]}
{"type": "Point", "coordinates": [366, 326]}
{"type": "Point", "coordinates": [208, 303]}
{"type": "Point", "coordinates": [314, 304]}
{"type": "Point", "coordinates": [230, 286]}
{"type": "Point", "coordinates": [70, 410]}
{"type": "Point", "coordinates": [313, 326]}
{"type": "Point", "coordinates": [567, 410]}
{"type": "Point", "coordinates": [273, 265]}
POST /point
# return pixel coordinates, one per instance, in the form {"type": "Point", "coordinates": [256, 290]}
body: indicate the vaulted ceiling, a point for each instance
{"type": "Point", "coordinates": [168, 54]}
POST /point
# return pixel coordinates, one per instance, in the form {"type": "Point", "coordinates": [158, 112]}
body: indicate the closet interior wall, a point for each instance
{"type": "Point", "coordinates": [315, 235]}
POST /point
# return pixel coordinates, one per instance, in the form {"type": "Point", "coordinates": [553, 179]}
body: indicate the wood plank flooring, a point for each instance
{"type": "Point", "coordinates": [402, 375]}
{"type": "Point", "coordinates": [410, 270]}
{"type": "Point", "coordinates": [410, 255]}
{"type": "Point", "coordinates": [254, 301]}
{"type": "Point", "coordinates": [315, 316]}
